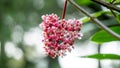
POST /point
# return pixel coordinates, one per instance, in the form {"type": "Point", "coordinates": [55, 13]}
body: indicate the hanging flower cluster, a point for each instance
{"type": "Point", "coordinates": [59, 35]}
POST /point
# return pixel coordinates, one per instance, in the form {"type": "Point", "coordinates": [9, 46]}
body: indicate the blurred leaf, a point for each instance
{"type": "Point", "coordinates": [97, 14]}
{"type": "Point", "coordinates": [83, 2]}
{"type": "Point", "coordinates": [117, 0]}
{"type": "Point", "coordinates": [103, 56]}
{"type": "Point", "coordinates": [108, 0]}
{"type": "Point", "coordinates": [118, 18]}
{"type": "Point", "coordinates": [85, 19]}
{"type": "Point", "coordinates": [112, 0]}
{"type": "Point", "coordinates": [102, 36]}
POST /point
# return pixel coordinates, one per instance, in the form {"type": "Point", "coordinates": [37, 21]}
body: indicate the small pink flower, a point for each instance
{"type": "Point", "coordinates": [59, 35]}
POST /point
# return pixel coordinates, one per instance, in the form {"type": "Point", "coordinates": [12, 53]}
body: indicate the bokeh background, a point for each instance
{"type": "Point", "coordinates": [20, 36]}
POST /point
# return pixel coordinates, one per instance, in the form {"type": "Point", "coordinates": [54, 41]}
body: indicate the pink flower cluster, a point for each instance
{"type": "Point", "coordinates": [59, 35]}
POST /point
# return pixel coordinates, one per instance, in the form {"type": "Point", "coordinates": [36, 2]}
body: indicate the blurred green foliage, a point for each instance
{"type": "Point", "coordinates": [118, 18]}
{"type": "Point", "coordinates": [25, 14]}
{"type": "Point", "coordinates": [83, 2]}
{"type": "Point", "coordinates": [22, 15]}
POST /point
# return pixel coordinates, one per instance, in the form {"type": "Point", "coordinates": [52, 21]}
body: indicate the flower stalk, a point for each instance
{"type": "Point", "coordinates": [64, 9]}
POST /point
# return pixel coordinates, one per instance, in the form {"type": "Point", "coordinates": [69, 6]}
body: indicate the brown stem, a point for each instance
{"type": "Point", "coordinates": [64, 10]}
{"type": "Point", "coordinates": [108, 5]}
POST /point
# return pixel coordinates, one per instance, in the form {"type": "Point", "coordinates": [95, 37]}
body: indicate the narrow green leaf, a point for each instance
{"type": "Point", "coordinates": [85, 19]}
{"type": "Point", "coordinates": [83, 2]}
{"type": "Point", "coordinates": [103, 56]}
{"type": "Point", "coordinates": [108, 0]}
{"type": "Point", "coordinates": [118, 18]}
{"type": "Point", "coordinates": [102, 36]}
{"type": "Point", "coordinates": [97, 14]}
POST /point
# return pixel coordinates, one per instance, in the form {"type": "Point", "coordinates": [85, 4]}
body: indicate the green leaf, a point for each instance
{"type": "Point", "coordinates": [102, 36]}
{"type": "Point", "coordinates": [97, 14]}
{"type": "Point", "coordinates": [103, 56]}
{"type": "Point", "coordinates": [83, 2]}
{"type": "Point", "coordinates": [85, 19]}
{"type": "Point", "coordinates": [117, 1]}
{"type": "Point", "coordinates": [108, 0]}
{"type": "Point", "coordinates": [118, 18]}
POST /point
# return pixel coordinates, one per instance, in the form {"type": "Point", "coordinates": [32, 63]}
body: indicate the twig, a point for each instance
{"type": "Point", "coordinates": [108, 5]}
{"type": "Point", "coordinates": [113, 13]}
{"type": "Point", "coordinates": [95, 20]}
{"type": "Point", "coordinates": [112, 10]}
